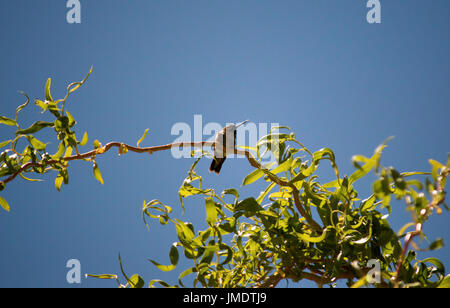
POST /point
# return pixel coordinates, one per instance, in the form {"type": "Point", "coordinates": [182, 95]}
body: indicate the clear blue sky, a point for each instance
{"type": "Point", "coordinates": [314, 65]}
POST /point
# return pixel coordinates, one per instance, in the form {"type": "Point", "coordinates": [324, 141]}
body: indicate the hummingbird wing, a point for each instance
{"type": "Point", "coordinates": [216, 164]}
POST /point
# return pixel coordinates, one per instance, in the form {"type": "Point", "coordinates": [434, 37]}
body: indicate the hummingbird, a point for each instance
{"type": "Point", "coordinates": [225, 142]}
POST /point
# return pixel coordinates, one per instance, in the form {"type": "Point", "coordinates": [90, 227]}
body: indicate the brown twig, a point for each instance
{"type": "Point", "coordinates": [253, 162]}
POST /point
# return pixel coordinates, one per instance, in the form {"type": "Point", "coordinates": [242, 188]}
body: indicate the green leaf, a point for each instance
{"type": "Point", "coordinates": [60, 152]}
{"type": "Point", "coordinates": [28, 179]}
{"type": "Point", "coordinates": [436, 166]}
{"type": "Point", "coordinates": [186, 273]}
{"type": "Point", "coordinates": [71, 121]}
{"type": "Point", "coordinates": [367, 167]}
{"type": "Point", "coordinates": [233, 192]}
{"type": "Point", "coordinates": [52, 106]}
{"type": "Point", "coordinates": [48, 95]}
{"type": "Point", "coordinates": [185, 234]}
{"type": "Point", "coordinates": [7, 121]}
{"type": "Point", "coordinates": [286, 165]}
{"type": "Point", "coordinates": [252, 177]}
{"type": "Point", "coordinates": [249, 207]}
{"type": "Point", "coordinates": [97, 173]}
{"type": "Point", "coordinates": [163, 283]}
{"type": "Point", "coordinates": [436, 262]}
{"type": "Point", "coordinates": [38, 145]}
{"type": "Point", "coordinates": [62, 123]}
{"type": "Point", "coordinates": [309, 239]}
{"type": "Point", "coordinates": [136, 282]}
{"type": "Point", "coordinates": [174, 257]}
{"type": "Point", "coordinates": [445, 283]}
{"type": "Point", "coordinates": [265, 192]}
{"type": "Point", "coordinates": [368, 204]}
{"type": "Point", "coordinates": [34, 128]}
{"type": "Point", "coordinates": [58, 181]}
{"type": "Point", "coordinates": [143, 137]}
{"type": "Point", "coordinates": [85, 139]}
{"type": "Point", "coordinates": [211, 211]}
{"type": "Point", "coordinates": [4, 143]}
{"type": "Point", "coordinates": [437, 244]}
{"type": "Point", "coordinates": [74, 86]}
{"type": "Point", "coordinates": [404, 228]}
{"type": "Point", "coordinates": [103, 276]}
{"type": "Point", "coordinates": [4, 204]}
{"type": "Point", "coordinates": [23, 105]}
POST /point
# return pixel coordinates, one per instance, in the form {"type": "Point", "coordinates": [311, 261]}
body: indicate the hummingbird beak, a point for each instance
{"type": "Point", "coordinates": [242, 123]}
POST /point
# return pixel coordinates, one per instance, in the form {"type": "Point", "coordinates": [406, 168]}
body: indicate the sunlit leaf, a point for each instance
{"type": "Point", "coordinates": [174, 257]}
{"type": "Point", "coordinates": [4, 143]}
{"type": "Point", "coordinates": [34, 128]}
{"type": "Point", "coordinates": [253, 177]}
{"type": "Point", "coordinates": [48, 95]}
{"type": "Point", "coordinates": [437, 244]}
{"type": "Point", "coordinates": [103, 276]}
{"type": "Point", "coordinates": [143, 137]}
{"type": "Point", "coordinates": [310, 239]}
{"type": "Point", "coordinates": [4, 204]}
{"type": "Point", "coordinates": [58, 182]}
{"type": "Point", "coordinates": [211, 211]}
{"type": "Point", "coordinates": [445, 283]}
{"type": "Point", "coordinates": [136, 282]}
{"type": "Point", "coordinates": [38, 145]}
{"type": "Point", "coordinates": [7, 121]}
{"type": "Point", "coordinates": [98, 174]}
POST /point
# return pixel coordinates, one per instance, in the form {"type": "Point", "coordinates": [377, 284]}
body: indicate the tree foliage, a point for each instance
{"type": "Point", "coordinates": [298, 228]}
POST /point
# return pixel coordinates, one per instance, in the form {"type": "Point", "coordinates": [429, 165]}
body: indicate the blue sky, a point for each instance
{"type": "Point", "coordinates": [316, 66]}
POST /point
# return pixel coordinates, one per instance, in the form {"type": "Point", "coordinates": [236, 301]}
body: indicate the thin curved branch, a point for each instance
{"type": "Point", "coordinates": [253, 162]}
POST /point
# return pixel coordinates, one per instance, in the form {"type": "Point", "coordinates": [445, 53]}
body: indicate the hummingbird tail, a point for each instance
{"type": "Point", "coordinates": [216, 165]}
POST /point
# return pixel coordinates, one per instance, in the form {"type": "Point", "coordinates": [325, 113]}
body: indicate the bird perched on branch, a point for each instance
{"type": "Point", "coordinates": [225, 143]}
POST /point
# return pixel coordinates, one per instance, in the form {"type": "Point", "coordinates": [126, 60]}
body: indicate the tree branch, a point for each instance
{"type": "Point", "coordinates": [253, 162]}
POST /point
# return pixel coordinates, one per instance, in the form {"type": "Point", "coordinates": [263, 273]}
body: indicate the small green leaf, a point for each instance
{"type": "Point", "coordinates": [7, 121]}
{"type": "Point", "coordinates": [143, 137]}
{"type": "Point", "coordinates": [253, 177]}
{"type": "Point", "coordinates": [84, 140]}
{"type": "Point", "coordinates": [23, 105]}
{"type": "Point", "coordinates": [74, 86]}
{"type": "Point", "coordinates": [4, 143]}
{"type": "Point", "coordinates": [265, 192]}
{"type": "Point", "coordinates": [38, 145]}
{"type": "Point", "coordinates": [103, 276]}
{"type": "Point", "coordinates": [4, 204]}
{"type": "Point", "coordinates": [310, 239]}
{"type": "Point", "coordinates": [34, 128]}
{"type": "Point", "coordinates": [185, 234]}
{"type": "Point", "coordinates": [28, 179]}
{"type": "Point", "coordinates": [60, 152]}
{"type": "Point", "coordinates": [211, 211]}
{"type": "Point", "coordinates": [72, 121]}
{"type": "Point", "coordinates": [231, 191]}
{"type": "Point", "coordinates": [437, 244]}
{"type": "Point", "coordinates": [404, 228]}
{"type": "Point", "coordinates": [174, 257]}
{"type": "Point", "coordinates": [136, 282]}
{"type": "Point", "coordinates": [439, 265]}
{"type": "Point", "coordinates": [97, 173]}
{"type": "Point", "coordinates": [445, 283]}
{"type": "Point", "coordinates": [48, 95]}
{"type": "Point", "coordinates": [163, 283]}
{"type": "Point", "coordinates": [58, 182]}
{"type": "Point", "coordinates": [368, 204]}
